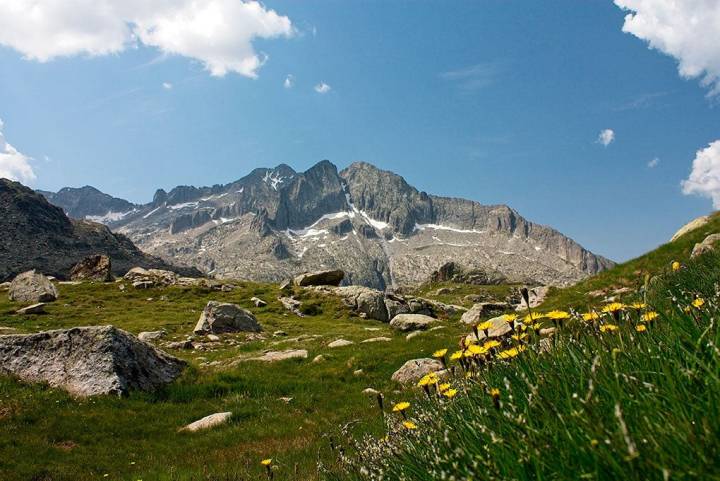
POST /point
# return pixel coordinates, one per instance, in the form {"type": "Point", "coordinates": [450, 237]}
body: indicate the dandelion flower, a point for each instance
{"type": "Point", "coordinates": [519, 337]}
{"type": "Point", "coordinates": [608, 328]}
{"type": "Point", "coordinates": [591, 316]}
{"type": "Point", "coordinates": [675, 266]}
{"type": "Point", "coordinates": [495, 392]}
{"type": "Point", "coordinates": [439, 353]}
{"type": "Point", "coordinates": [558, 315]}
{"type": "Point", "coordinates": [266, 462]}
{"type": "Point", "coordinates": [638, 305]}
{"type": "Point", "coordinates": [409, 425]}
{"type": "Point", "coordinates": [533, 317]}
{"type": "Point", "coordinates": [401, 406]}
{"type": "Point", "coordinates": [613, 307]}
{"type": "Point", "coordinates": [450, 393]}
{"type": "Point", "coordinates": [649, 316]}
{"type": "Point", "coordinates": [491, 344]}
{"type": "Point", "coordinates": [456, 355]}
{"type": "Point", "coordinates": [484, 326]}
{"type": "Point", "coordinates": [428, 379]}
{"type": "Point", "coordinates": [510, 353]}
{"type": "Point", "coordinates": [443, 387]}
{"type": "Point", "coordinates": [510, 317]}
{"type": "Point", "coordinates": [641, 328]}
{"type": "Point", "coordinates": [698, 303]}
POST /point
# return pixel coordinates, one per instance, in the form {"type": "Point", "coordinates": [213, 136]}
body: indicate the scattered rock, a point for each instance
{"type": "Point", "coordinates": [537, 296]}
{"type": "Point", "coordinates": [318, 358]}
{"type": "Point", "coordinates": [320, 278]}
{"type": "Point", "coordinates": [258, 302]}
{"type": "Point", "coordinates": [411, 322]}
{"type": "Point", "coordinates": [208, 422]}
{"type": "Point", "coordinates": [443, 291]}
{"type": "Point", "coordinates": [377, 339]}
{"type": "Point", "coordinates": [340, 343]}
{"type": "Point", "coordinates": [414, 334]}
{"type": "Point", "coordinates": [32, 287]}
{"type": "Point", "coordinates": [213, 338]}
{"type": "Point", "coordinates": [38, 308]}
{"type": "Point", "coordinates": [92, 268]}
{"type": "Point", "coordinates": [358, 372]}
{"type": "Point", "coordinates": [415, 369]}
{"type": "Point", "coordinates": [285, 399]}
{"type": "Point", "coordinates": [452, 271]}
{"type": "Point", "coordinates": [500, 327]}
{"type": "Point", "coordinates": [4, 286]}
{"type": "Point", "coordinates": [707, 245]}
{"type": "Point", "coordinates": [370, 391]}
{"type": "Point", "coordinates": [88, 361]}
{"type": "Point", "coordinates": [481, 310]}
{"type": "Point", "coordinates": [286, 285]}
{"type": "Point", "coordinates": [218, 317]}
{"type": "Point", "coordinates": [148, 336]}
{"type": "Point", "coordinates": [690, 226]}
{"type": "Point", "coordinates": [272, 356]}
{"type": "Point", "coordinates": [279, 334]}
{"type": "Point", "coordinates": [121, 287]}
{"type": "Point", "coordinates": [145, 278]}
{"type": "Point", "coordinates": [292, 305]}
{"type": "Point", "coordinates": [187, 344]}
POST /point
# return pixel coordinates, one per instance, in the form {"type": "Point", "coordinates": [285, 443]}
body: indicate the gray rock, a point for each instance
{"type": "Point", "coordinates": [690, 226]}
{"type": "Point", "coordinates": [499, 328]}
{"type": "Point", "coordinates": [38, 308]}
{"type": "Point", "coordinates": [152, 277]}
{"type": "Point", "coordinates": [32, 287]}
{"type": "Point", "coordinates": [481, 310]}
{"type": "Point", "coordinates": [279, 334]}
{"type": "Point", "coordinates": [274, 356]}
{"type": "Point", "coordinates": [4, 286]}
{"type": "Point", "coordinates": [148, 336]}
{"type": "Point", "coordinates": [213, 338]}
{"type": "Point", "coordinates": [187, 344]}
{"type": "Point", "coordinates": [411, 322]}
{"type": "Point", "coordinates": [537, 296]}
{"type": "Point", "coordinates": [363, 300]}
{"type": "Point", "coordinates": [292, 305]}
{"type": "Point", "coordinates": [340, 343]}
{"type": "Point", "coordinates": [88, 361]}
{"type": "Point", "coordinates": [415, 369]}
{"type": "Point", "coordinates": [258, 302]}
{"type": "Point", "coordinates": [208, 422]}
{"type": "Point", "coordinates": [92, 268]}
{"type": "Point", "coordinates": [218, 317]}
{"type": "Point", "coordinates": [320, 278]}
{"type": "Point", "coordinates": [377, 339]}
{"type": "Point", "coordinates": [318, 358]}
{"type": "Point", "coordinates": [707, 245]}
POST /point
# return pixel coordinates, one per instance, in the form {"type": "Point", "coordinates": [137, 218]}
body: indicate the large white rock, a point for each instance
{"type": "Point", "coordinates": [273, 356]}
{"type": "Point", "coordinates": [412, 322]}
{"type": "Point", "coordinates": [88, 361]}
{"type": "Point", "coordinates": [208, 422]}
{"type": "Point", "coordinates": [220, 317]}
{"type": "Point", "coordinates": [707, 245]}
{"type": "Point", "coordinates": [691, 226]}
{"type": "Point", "coordinates": [415, 369]}
{"type": "Point", "coordinates": [481, 309]}
{"type": "Point", "coordinates": [32, 287]}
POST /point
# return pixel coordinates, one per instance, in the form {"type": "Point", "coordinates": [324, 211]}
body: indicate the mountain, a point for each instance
{"type": "Point", "coordinates": [37, 235]}
{"type": "Point", "coordinates": [89, 203]}
{"type": "Point", "coordinates": [275, 223]}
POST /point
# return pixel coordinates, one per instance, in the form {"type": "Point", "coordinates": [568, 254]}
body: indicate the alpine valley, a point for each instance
{"type": "Point", "coordinates": [276, 223]}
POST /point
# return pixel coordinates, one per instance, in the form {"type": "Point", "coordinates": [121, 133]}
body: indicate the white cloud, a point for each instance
{"type": "Point", "coordinates": [167, 85]}
{"type": "Point", "coordinates": [653, 163]}
{"type": "Point", "coordinates": [476, 76]}
{"type": "Point", "coordinates": [218, 33]}
{"type": "Point", "coordinates": [688, 30]}
{"type": "Point", "coordinates": [704, 179]}
{"type": "Point", "coordinates": [322, 88]}
{"type": "Point", "coordinates": [289, 82]}
{"type": "Point", "coordinates": [13, 164]}
{"type": "Point", "coordinates": [606, 137]}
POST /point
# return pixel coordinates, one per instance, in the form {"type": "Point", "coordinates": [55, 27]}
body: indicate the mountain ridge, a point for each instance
{"type": "Point", "coordinates": [368, 221]}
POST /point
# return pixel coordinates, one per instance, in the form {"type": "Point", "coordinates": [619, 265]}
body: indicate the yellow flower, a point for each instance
{"type": "Point", "coordinates": [495, 392]}
{"type": "Point", "coordinates": [641, 328]}
{"type": "Point", "coordinates": [533, 317]}
{"type": "Point", "coordinates": [638, 305]}
{"type": "Point", "coordinates": [266, 462]}
{"type": "Point", "coordinates": [484, 326]}
{"type": "Point", "coordinates": [510, 317]}
{"type": "Point", "coordinates": [443, 387]}
{"type": "Point", "coordinates": [591, 316]}
{"type": "Point", "coordinates": [439, 353]}
{"type": "Point", "coordinates": [675, 266]}
{"type": "Point", "coordinates": [456, 355]}
{"type": "Point", "coordinates": [409, 425]}
{"type": "Point", "coordinates": [401, 406]}
{"type": "Point", "coordinates": [698, 303]}
{"type": "Point", "coordinates": [510, 353]}
{"type": "Point", "coordinates": [614, 307]}
{"type": "Point", "coordinates": [450, 393]}
{"type": "Point", "coordinates": [649, 316]}
{"type": "Point", "coordinates": [608, 328]}
{"type": "Point", "coordinates": [428, 379]}
{"type": "Point", "coordinates": [490, 344]}
{"type": "Point", "coordinates": [519, 337]}
{"type": "Point", "coordinates": [475, 350]}
{"type": "Point", "coordinates": [558, 315]}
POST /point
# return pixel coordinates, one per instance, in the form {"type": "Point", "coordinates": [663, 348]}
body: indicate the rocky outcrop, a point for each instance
{"type": "Point", "coordinates": [453, 272]}
{"type": "Point", "coordinates": [32, 287]}
{"type": "Point", "coordinates": [707, 245]}
{"type": "Point", "coordinates": [145, 278]}
{"type": "Point", "coordinates": [320, 278]}
{"type": "Point", "coordinates": [411, 322]}
{"type": "Point", "coordinates": [369, 303]}
{"type": "Point", "coordinates": [536, 296]}
{"type": "Point", "coordinates": [482, 310]}
{"type": "Point", "coordinates": [690, 226]}
{"type": "Point", "coordinates": [88, 361]}
{"type": "Point", "coordinates": [97, 267]}
{"type": "Point", "coordinates": [274, 356]}
{"type": "Point", "coordinates": [413, 370]}
{"type": "Point", "coordinates": [219, 317]}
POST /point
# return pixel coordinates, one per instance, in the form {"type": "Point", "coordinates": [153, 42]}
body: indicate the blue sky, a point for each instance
{"type": "Point", "coordinates": [496, 101]}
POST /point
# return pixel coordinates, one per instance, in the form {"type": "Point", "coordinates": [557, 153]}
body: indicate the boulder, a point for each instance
{"type": "Point", "coordinates": [500, 327]}
{"type": "Point", "coordinates": [691, 226]}
{"type": "Point", "coordinates": [273, 356]}
{"type": "Point", "coordinates": [32, 287]}
{"type": "Point", "coordinates": [219, 317]}
{"type": "Point", "coordinates": [364, 300]}
{"type": "Point", "coordinates": [88, 361]}
{"type": "Point", "coordinates": [411, 322]}
{"type": "Point", "coordinates": [340, 343]}
{"type": "Point", "coordinates": [707, 245]}
{"type": "Point", "coordinates": [536, 295]}
{"type": "Point", "coordinates": [258, 302]}
{"type": "Point", "coordinates": [377, 339]}
{"type": "Point", "coordinates": [292, 305]}
{"type": "Point", "coordinates": [208, 422]}
{"type": "Point", "coordinates": [415, 369]}
{"type": "Point", "coordinates": [482, 309]}
{"type": "Point", "coordinates": [38, 308]}
{"type": "Point", "coordinates": [148, 336]}
{"type": "Point", "coordinates": [92, 268]}
{"type": "Point", "coordinates": [143, 278]}
{"type": "Point", "coordinates": [320, 278]}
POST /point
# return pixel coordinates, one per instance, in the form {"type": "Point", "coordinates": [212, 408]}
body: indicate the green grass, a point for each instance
{"type": "Point", "coordinates": [599, 406]}
{"type": "Point", "coordinates": [47, 435]}
{"type": "Point", "coordinates": [631, 274]}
